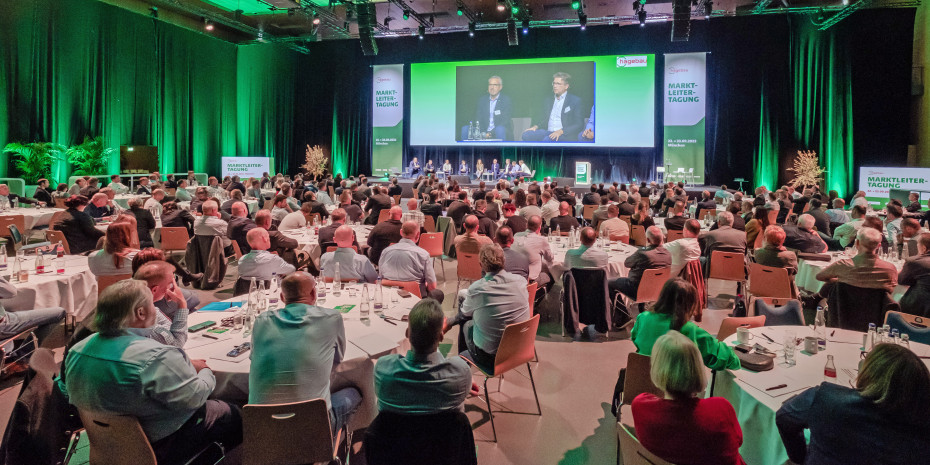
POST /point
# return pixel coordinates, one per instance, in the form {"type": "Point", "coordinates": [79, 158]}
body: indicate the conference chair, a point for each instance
{"type": "Point", "coordinates": [770, 281]}
{"type": "Point", "coordinates": [293, 433]}
{"type": "Point", "coordinates": [8, 222]}
{"type": "Point", "coordinates": [728, 325]}
{"type": "Point", "coordinates": [587, 212]}
{"type": "Point", "coordinates": [647, 292]}
{"type": "Point", "coordinates": [632, 451]}
{"type": "Point", "coordinates": [174, 239]}
{"type": "Point", "coordinates": [119, 440]}
{"type": "Point", "coordinates": [396, 199]}
{"type": "Point", "coordinates": [54, 237]}
{"type": "Point", "coordinates": [728, 266]}
{"type": "Point", "coordinates": [636, 381]}
{"type": "Point", "coordinates": [468, 269]}
{"type": "Point", "coordinates": [517, 347]}
{"type": "Point", "coordinates": [704, 212]}
{"type": "Point", "coordinates": [432, 243]}
{"type": "Point", "coordinates": [60, 202]}
{"type": "Point", "coordinates": [914, 326]}
{"type": "Point", "coordinates": [384, 215]}
{"type": "Point", "coordinates": [56, 218]}
{"type": "Point", "coordinates": [638, 235]}
{"type": "Point", "coordinates": [237, 251]}
{"type": "Point", "coordinates": [585, 300]}
{"type": "Point", "coordinates": [429, 223]}
{"type": "Point", "coordinates": [332, 248]}
{"type": "Point", "coordinates": [788, 312]}
{"type": "Point", "coordinates": [104, 282]}
{"type": "Point", "coordinates": [674, 235]}
{"type": "Point", "coordinates": [26, 334]}
{"type": "Point", "coordinates": [445, 437]}
{"type": "Point", "coordinates": [412, 287]}
{"type": "Point", "coordinates": [690, 176]}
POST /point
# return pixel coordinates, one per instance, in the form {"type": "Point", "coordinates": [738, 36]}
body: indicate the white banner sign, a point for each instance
{"type": "Point", "coordinates": [246, 167]}
{"type": "Point", "coordinates": [877, 181]}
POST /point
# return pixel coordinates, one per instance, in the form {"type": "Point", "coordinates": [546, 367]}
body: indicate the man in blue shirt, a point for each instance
{"type": "Point", "coordinates": [423, 381]}
{"type": "Point", "coordinates": [260, 263]}
{"type": "Point", "coordinates": [352, 265]}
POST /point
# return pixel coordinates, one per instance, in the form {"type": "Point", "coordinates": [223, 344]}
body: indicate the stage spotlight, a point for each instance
{"type": "Point", "coordinates": [515, 9]}
{"type": "Point", "coordinates": [316, 18]}
{"type": "Point", "coordinates": [576, 4]}
{"type": "Point", "coordinates": [501, 6]}
{"type": "Point", "coordinates": [471, 28]}
{"type": "Point", "coordinates": [526, 26]}
{"type": "Point", "coordinates": [459, 11]}
{"type": "Point", "coordinates": [708, 9]}
{"type": "Point", "coordinates": [207, 24]}
{"type": "Point", "coordinates": [406, 15]}
{"type": "Point", "coordinates": [421, 32]}
{"type": "Point", "coordinates": [642, 17]}
{"type": "Point", "coordinates": [582, 20]}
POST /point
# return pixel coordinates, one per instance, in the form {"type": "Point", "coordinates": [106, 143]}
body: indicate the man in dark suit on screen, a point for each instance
{"type": "Point", "coordinates": [560, 114]}
{"type": "Point", "coordinates": [493, 112]}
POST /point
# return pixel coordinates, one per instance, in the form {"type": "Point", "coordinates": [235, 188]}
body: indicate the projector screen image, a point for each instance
{"type": "Point", "coordinates": [606, 101]}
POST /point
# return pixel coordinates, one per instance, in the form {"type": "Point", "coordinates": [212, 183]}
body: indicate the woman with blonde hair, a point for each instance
{"type": "Point", "coordinates": [117, 254]}
{"type": "Point", "coordinates": [680, 427]}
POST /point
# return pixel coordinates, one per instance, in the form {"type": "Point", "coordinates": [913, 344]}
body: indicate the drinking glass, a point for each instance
{"type": "Point", "coordinates": [790, 343]}
{"type": "Point", "coordinates": [352, 287]}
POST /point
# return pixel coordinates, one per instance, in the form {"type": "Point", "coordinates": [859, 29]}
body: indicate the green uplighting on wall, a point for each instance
{"type": "Point", "coordinates": [257, 7]}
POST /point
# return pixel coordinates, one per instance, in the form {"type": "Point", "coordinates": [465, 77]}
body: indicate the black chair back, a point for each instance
{"type": "Point", "coordinates": [853, 308]}
{"type": "Point", "coordinates": [445, 437]}
{"type": "Point", "coordinates": [593, 301]}
{"type": "Point", "coordinates": [243, 285]}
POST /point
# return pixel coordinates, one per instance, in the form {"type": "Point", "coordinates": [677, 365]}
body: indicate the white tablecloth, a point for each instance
{"type": "Point", "coordinates": [807, 275]}
{"type": "Point", "coordinates": [660, 222]}
{"type": "Point", "coordinates": [755, 407]}
{"type": "Point", "coordinates": [308, 240]}
{"type": "Point", "coordinates": [251, 203]}
{"type": "Point", "coordinates": [123, 199]}
{"type": "Point", "coordinates": [75, 290]}
{"type": "Point", "coordinates": [616, 256]}
{"type": "Point", "coordinates": [232, 378]}
{"type": "Point", "coordinates": [33, 217]}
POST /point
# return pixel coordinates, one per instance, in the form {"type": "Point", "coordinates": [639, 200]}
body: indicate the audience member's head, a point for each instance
{"type": "Point", "coordinates": [396, 213]}
{"type": "Point", "coordinates": [868, 240]}
{"type": "Point", "coordinates": [692, 228]}
{"type": "Point", "coordinates": [654, 236]}
{"type": "Point", "coordinates": [425, 324]}
{"type": "Point", "coordinates": [897, 381]}
{"type": "Point", "coordinates": [239, 210]}
{"type": "Point", "coordinates": [724, 219]}
{"type": "Point", "coordinates": [893, 211]}
{"type": "Point", "coordinates": [344, 237]}
{"type": "Point", "coordinates": [471, 223]}
{"type": "Point", "coordinates": [99, 199]}
{"type": "Point", "coordinates": [410, 230]}
{"type": "Point", "coordinates": [774, 236]}
{"type": "Point", "coordinates": [298, 287]}
{"type": "Point", "coordinates": [412, 205]}
{"type": "Point", "coordinates": [679, 208]}
{"type": "Point", "coordinates": [504, 236]}
{"type": "Point", "coordinates": [857, 211]}
{"type": "Point", "coordinates": [677, 367]}
{"type": "Point", "coordinates": [263, 219]}
{"type": "Point", "coordinates": [806, 222]}
{"type": "Point", "coordinates": [679, 299]}
{"type": "Point", "coordinates": [909, 227]}
{"type": "Point", "coordinates": [613, 211]}
{"type": "Point", "coordinates": [158, 276]}
{"type": "Point", "coordinates": [534, 223]}
{"type": "Point", "coordinates": [588, 236]}
{"type": "Point", "coordinates": [258, 239]}
{"type": "Point", "coordinates": [124, 304]}
{"type": "Point", "coordinates": [923, 243]}
{"type": "Point", "coordinates": [148, 254]}
{"type": "Point", "coordinates": [491, 258]}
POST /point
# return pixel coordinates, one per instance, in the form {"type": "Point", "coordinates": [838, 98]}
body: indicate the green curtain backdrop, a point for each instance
{"type": "Point", "coordinates": [83, 68]}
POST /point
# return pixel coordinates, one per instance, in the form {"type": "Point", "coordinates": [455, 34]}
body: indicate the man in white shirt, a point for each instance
{"type": "Point", "coordinates": [210, 223]}
{"type": "Point", "coordinates": [586, 256]}
{"type": "Point", "coordinates": [846, 233]}
{"type": "Point", "coordinates": [614, 226]}
{"type": "Point", "coordinates": [295, 220]}
{"type": "Point", "coordinates": [550, 207]}
{"type": "Point", "coordinates": [859, 200]}
{"type": "Point", "coordinates": [155, 201]}
{"type": "Point", "coordinates": [352, 265]}
{"type": "Point", "coordinates": [407, 261]}
{"type": "Point", "coordinates": [260, 263]}
{"type": "Point", "coordinates": [412, 214]}
{"type": "Point", "coordinates": [685, 249]}
{"type": "Point", "coordinates": [537, 250]}
{"type": "Point", "coordinates": [838, 214]}
{"type": "Point", "coordinates": [117, 185]}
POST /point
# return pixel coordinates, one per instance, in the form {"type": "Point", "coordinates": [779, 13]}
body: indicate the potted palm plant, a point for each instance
{"type": "Point", "coordinates": [33, 161]}
{"type": "Point", "coordinates": [90, 158]}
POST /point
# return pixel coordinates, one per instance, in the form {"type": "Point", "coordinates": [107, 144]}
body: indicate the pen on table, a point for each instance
{"type": "Point", "coordinates": [211, 337]}
{"type": "Point", "coordinates": [832, 333]}
{"type": "Point", "coordinates": [780, 386]}
{"type": "Point", "coordinates": [767, 337]}
{"type": "Point", "coordinates": [387, 320]}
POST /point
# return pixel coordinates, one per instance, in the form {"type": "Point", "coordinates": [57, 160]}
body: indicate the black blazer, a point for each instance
{"type": "Point", "coordinates": [43, 195]}
{"type": "Point", "coordinates": [178, 219]}
{"type": "Point", "coordinates": [572, 115]}
{"type": "Point", "coordinates": [78, 228]}
{"type": "Point", "coordinates": [503, 113]}
{"type": "Point", "coordinates": [145, 223]}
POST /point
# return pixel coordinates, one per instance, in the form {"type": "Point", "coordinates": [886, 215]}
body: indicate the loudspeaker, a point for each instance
{"type": "Point", "coordinates": [570, 182]}
{"type": "Point", "coordinates": [367, 17]}
{"type": "Point", "coordinates": [512, 37]}
{"type": "Point", "coordinates": [681, 20]}
{"type": "Point", "coordinates": [460, 179]}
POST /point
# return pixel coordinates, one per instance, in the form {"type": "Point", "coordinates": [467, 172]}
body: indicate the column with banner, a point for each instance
{"type": "Point", "coordinates": [387, 119]}
{"type": "Point", "coordinates": [684, 95]}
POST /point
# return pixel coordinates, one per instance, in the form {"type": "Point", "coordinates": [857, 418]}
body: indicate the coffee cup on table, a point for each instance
{"type": "Point", "coordinates": [810, 345]}
{"type": "Point", "coordinates": [743, 336]}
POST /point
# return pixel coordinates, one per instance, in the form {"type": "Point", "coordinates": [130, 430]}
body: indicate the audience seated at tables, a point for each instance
{"type": "Point", "coordinates": [757, 225]}
{"type": "Point", "coordinates": [116, 256]}
{"type": "Point", "coordinates": [516, 260]}
{"type": "Point", "coordinates": [678, 302]}
{"type": "Point", "coordinates": [236, 184]}
{"type": "Point", "coordinates": [550, 207]}
{"type": "Point", "coordinates": [42, 193]}
{"type": "Point", "coordinates": [490, 304]}
{"type": "Point", "coordinates": [294, 350]}
{"type": "Point", "coordinates": [423, 382]}
{"type": "Point", "coordinates": [916, 274]}
{"type": "Point", "coordinates": [432, 207]}
{"type": "Point", "coordinates": [78, 226]}
{"type": "Point", "coordinates": [14, 199]}
{"type": "Point", "coordinates": [458, 209]}
{"type": "Point", "coordinates": [280, 209]}
{"type": "Point", "coordinates": [470, 240]}
{"type": "Point", "coordinates": [412, 214]}
{"type": "Point", "coordinates": [159, 277]}
{"type": "Point", "coordinates": [864, 270]}
{"type": "Point", "coordinates": [353, 211]}
{"type": "Point", "coordinates": [645, 258]}
{"type": "Point", "coordinates": [145, 222]}
{"type": "Point", "coordinates": [166, 306]}
{"type": "Point", "coordinates": [182, 194]}
{"type": "Point", "coordinates": [352, 265]}
{"type": "Point", "coordinates": [565, 221]}
{"type": "Point", "coordinates": [174, 217]}
{"type": "Point", "coordinates": [893, 218]}
{"type": "Point", "coordinates": [724, 238]}
{"type": "Point", "coordinates": [676, 220]}
{"type": "Point", "coordinates": [406, 261]}
{"type": "Point", "coordinates": [882, 419]}
{"type": "Point", "coordinates": [384, 234]}
{"type": "Point", "coordinates": [591, 198]}
{"type": "Point", "coordinates": [235, 195]}
{"type": "Point", "coordinates": [515, 222]}
{"type": "Point", "coordinates": [838, 214]}
{"type": "Point", "coordinates": [210, 224]}
{"type": "Point", "coordinates": [98, 208]}
{"type": "Point", "coordinates": [377, 202]}
{"type": "Point", "coordinates": [821, 219]}
{"type": "Point", "coordinates": [685, 249]}
{"type": "Point", "coordinates": [707, 203]}
{"type": "Point", "coordinates": [614, 227]}
{"type": "Point", "coordinates": [641, 216]}
{"type": "Point", "coordinates": [119, 371]}
{"type": "Point", "coordinates": [116, 183]}
{"type": "Point", "coordinates": [154, 202]}
{"type": "Point", "coordinates": [738, 222]}
{"type": "Point", "coordinates": [260, 263]}
{"type": "Point", "coordinates": [802, 237]}
{"type": "Point", "coordinates": [327, 233]}
{"type": "Point", "coordinates": [846, 233]}
{"type": "Point", "coordinates": [200, 196]}
{"type": "Point", "coordinates": [486, 226]}
{"type": "Point", "coordinates": [144, 188]}
{"type": "Point", "coordinates": [297, 219]}
{"type": "Point", "coordinates": [586, 256]}
{"type": "Point", "coordinates": [239, 226]}
{"type": "Point", "coordinates": [538, 251]}
{"type": "Point", "coordinates": [773, 252]}
{"type": "Point", "coordinates": [681, 427]}
{"type": "Point", "coordinates": [45, 320]}
{"type": "Point", "coordinates": [910, 233]}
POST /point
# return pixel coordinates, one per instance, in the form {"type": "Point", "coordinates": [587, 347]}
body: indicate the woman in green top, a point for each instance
{"type": "Point", "coordinates": [677, 302]}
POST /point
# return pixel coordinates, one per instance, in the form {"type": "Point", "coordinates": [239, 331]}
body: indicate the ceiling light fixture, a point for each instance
{"type": "Point", "coordinates": [642, 17]}
{"type": "Point", "coordinates": [582, 20]}
{"type": "Point", "coordinates": [421, 32]}
{"type": "Point", "coordinates": [526, 26]}
{"type": "Point", "coordinates": [471, 28]}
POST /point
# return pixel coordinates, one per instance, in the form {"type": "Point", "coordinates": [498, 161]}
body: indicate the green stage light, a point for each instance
{"type": "Point", "coordinates": [576, 4]}
{"type": "Point", "coordinates": [515, 10]}
{"type": "Point", "coordinates": [406, 15]}
{"type": "Point", "coordinates": [459, 11]}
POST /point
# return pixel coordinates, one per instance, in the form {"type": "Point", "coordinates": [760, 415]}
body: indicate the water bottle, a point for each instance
{"type": "Point", "coordinates": [274, 291]}
{"type": "Point", "coordinates": [364, 307]}
{"type": "Point", "coordinates": [820, 327]}
{"type": "Point", "coordinates": [895, 336]}
{"type": "Point", "coordinates": [870, 340]}
{"type": "Point", "coordinates": [59, 258]}
{"type": "Point", "coordinates": [40, 263]}
{"type": "Point", "coordinates": [558, 234]}
{"type": "Point", "coordinates": [261, 300]}
{"type": "Point", "coordinates": [471, 130]}
{"type": "Point", "coordinates": [16, 270]}
{"type": "Point", "coordinates": [829, 370]}
{"type": "Point", "coordinates": [3, 264]}
{"type": "Point", "coordinates": [321, 287]}
{"type": "Point", "coordinates": [379, 296]}
{"type": "Point", "coordinates": [337, 282]}
{"type": "Point", "coordinates": [886, 333]}
{"type": "Point", "coordinates": [739, 306]}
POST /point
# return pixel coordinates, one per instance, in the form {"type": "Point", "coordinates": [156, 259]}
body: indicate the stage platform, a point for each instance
{"type": "Point", "coordinates": [407, 185]}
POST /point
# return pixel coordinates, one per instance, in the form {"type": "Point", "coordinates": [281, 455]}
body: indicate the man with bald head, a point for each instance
{"type": "Point", "coordinates": [802, 236]}
{"type": "Point", "coordinates": [406, 261]}
{"type": "Point", "coordinates": [470, 240]}
{"type": "Point", "coordinates": [565, 221]}
{"type": "Point", "coordinates": [260, 263]}
{"type": "Point", "coordinates": [98, 208]}
{"type": "Point", "coordinates": [725, 238]}
{"type": "Point", "coordinates": [384, 234]}
{"type": "Point", "coordinates": [158, 195]}
{"type": "Point", "coordinates": [515, 261]}
{"type": "Point", "coordinates": [327, 233]}
{"type": "Point", "coordinates": [586, 256]}
{"type": "Point", "coordinates": [351, 264]}
{"type": "Point", "coordinates": [615, 227]}
{"type": "Point", "coordinates": [296, 348]}
{"type": "Point", "coordinates": [865, 269]}
{"type": "Point", "coordinates": [413, 214]}
{"type": "Point", "coordinates": [645, 258]}
{"type": "Point", "coordinates": [210, 224]}
{"type": "Point", "coordinates": [240, 225]}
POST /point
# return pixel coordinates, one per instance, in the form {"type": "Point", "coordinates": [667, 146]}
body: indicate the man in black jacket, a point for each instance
{"type": "Point", "coordinates": [240, 225]}
{"type": "Point", "coordinates": [458, 209]}
{"type": "Point", "coordinates": [42, 194]}
{"type": "Point", "coordinates": [384, 234]}
{"type": "Point", "coordinates": [376, 203]}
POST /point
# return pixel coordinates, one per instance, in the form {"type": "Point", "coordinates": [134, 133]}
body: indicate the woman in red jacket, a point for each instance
{"type": "Point", "coordinates": [680, 427]}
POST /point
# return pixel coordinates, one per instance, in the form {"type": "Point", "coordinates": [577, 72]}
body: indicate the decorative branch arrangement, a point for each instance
{"type": "Point", "coordinates": [807, 169]}
{"type": "Point", "coordinates": [316, 160]}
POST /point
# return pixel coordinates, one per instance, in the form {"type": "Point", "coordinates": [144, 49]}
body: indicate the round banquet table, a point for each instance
{"type": "Point", "coordinates": [616, 255]}
{"type": "Point", "coordinates": [75, 290]}
{"type": "Point", "coordinates": [308, 240]}
{"type": "Point", "coordinates": [807, 274]}
{"type": "Point", "coordinates": [123, 199]}
{"type": "Point", "coordinates": [33, 217]}
{"type": "Point", "coordinates": [251, 203]}
{"type": "Point", "coordinates": [156, 232]}
{"type": "Point", "coordinates": [755, 407]}
{"type": "Point", "coordinates": [375, 335]}
{"type": "Point", "coordinates": [660, 222]}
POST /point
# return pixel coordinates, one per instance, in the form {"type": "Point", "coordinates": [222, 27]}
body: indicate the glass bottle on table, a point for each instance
{"type": "Point", "coordinates": [906, 340]}
{"type": "Point", "coordinates": [40, 262]}
{"type": "Point", "coordinates": [820, 327]}
{"type": "Point", "coordinates": [379, 296]}
{"type": "Point", "coordinates": [364, 306]}
{"type": "Point", "coordinates": [261, 299]}
{"type": "Point", "coordinates": [886, 333]}
{"type": "Point", "coordinates": [60, 258]}
{"type": "Point", "coordinates": [337, 282]}
{"type": "Point", "coordinates": [4, 266]}
{"type": "Point", "coordinates": [870, 338]}
{"type": "Point", "coordinates": [14, 276]}
{"type": "Point", "coordinates": [274, 291]}
{"type": "Point", "coordinates": [321, 287]}
{"type": "Point", "coordinates": [829, 370]}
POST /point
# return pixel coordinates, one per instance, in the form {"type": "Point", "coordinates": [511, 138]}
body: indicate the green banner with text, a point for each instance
{"type": "Point", "coordinates": [387, 120]}
{"type": "Point", "coordinates": [684, 95]}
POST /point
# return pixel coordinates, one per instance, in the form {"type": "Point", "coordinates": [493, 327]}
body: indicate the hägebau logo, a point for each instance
{"type": "Point", "coordinates": [632, 61]}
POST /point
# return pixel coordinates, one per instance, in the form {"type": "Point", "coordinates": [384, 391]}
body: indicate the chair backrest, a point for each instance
{"type": "Point", "coordinates": [396, 199]}
{"type": "Point", "coordinates": [634, 453]}
{"type": "Point", "coordinates": [587, 212]}
{"type": "Point", "coordinates": [236, 250]}
{"type": "Point", "coordinates": [916, 327]}
{"type": "Point", "coordinates": [269, 204]}
{"type": "Point", "coordinates": [620, 238]}
{"type": "Point", "coordinates": [773, 217]}
{"type": "Point", "coordinates": [518, 345]}
{"type": "Point", "coordinates": [57, 236]}
{"type": "Point", "coordinates": [769, 281]}
{"type": "Point", "coordinates": [116, 439]}
{"type": "Point", "coordinates": [60, 202]}
{"type": "Point", "coordinates": [787, 313]}
{"type": "Point", "coordinates": [531, 292]}
{"type": "Point", "coordinates": [56, 218]}
{"type": "Point", "coordinates": [432, 243]}
{"type": "Point", "coordinates": [174, 238]}
{"type": "Point", "coordinates": [332, 248]}
{"type": "Point", "coordinates": [105, 281]}
{"type": "Point", "coordinates": [638, 235]}
{"type": "Point", "coordinates": [384, 215]}
{"type": "Point", "coordinates": [674, 235]}
{"type": "Point", "coordinates": [638, 379]}
{"type": "Point", "coordinates": [291, 433]}
{"type": "Point", "coordinates": [314, 216]}
{"type": "Point", "coordinates": [757, 244]}
{"type": "Point", "coordinates": [703, 214]}
{"type": "Point", "coordinates": [429, 223]}
{"type": "Point", "coordinates": [728, 266]}
{"type": "Point", "coordinates": [728, 325]}
{"type": "Point", "coordinates": [445, 437]}
{"type": "Point", "coordinates": [16, 220]}
{"type": "Point", "coordinates": [853, 307]}
{"type": "Point", "coordinates": [412, 287]}
{"type": "Point", "coordinates": [651, 284]}
{"type": "Point", "coordinates": [468, 266]}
